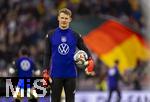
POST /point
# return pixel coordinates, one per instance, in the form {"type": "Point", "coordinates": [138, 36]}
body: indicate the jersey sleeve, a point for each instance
{"type": "Point", "coordinates": [47, 51]}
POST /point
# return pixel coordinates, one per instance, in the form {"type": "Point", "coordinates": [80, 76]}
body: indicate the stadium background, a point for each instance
{"type": "Point", "coordinates": [26, 22]}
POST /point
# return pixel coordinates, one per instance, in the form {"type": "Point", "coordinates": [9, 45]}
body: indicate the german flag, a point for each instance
{"type": "Point", "coordinates": [113, 40]}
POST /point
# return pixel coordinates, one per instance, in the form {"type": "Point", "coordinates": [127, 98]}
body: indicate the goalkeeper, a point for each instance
{"type": "Point", "coordinates": [59, 64]}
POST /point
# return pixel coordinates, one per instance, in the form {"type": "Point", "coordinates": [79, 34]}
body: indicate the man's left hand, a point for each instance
{"type": "Point", "coordinates": [90, 67]}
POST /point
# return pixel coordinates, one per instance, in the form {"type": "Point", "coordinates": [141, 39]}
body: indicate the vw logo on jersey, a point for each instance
{"type": "Point", "coordinates": [63, 48]}
{"type": "Point", "coordinates": [25, 65]}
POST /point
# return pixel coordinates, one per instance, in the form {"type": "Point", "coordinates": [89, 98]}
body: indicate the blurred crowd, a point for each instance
{"type": "Point", "coordinates": [26, 22]}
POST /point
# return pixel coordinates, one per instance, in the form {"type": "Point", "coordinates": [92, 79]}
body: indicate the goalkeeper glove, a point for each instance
{"type": "Point", "coordinates": [46, 77]}
{"type": "Point", "coordinates": [90, 66]}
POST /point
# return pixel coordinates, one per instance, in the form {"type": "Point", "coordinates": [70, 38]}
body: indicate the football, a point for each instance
{"type": "Point", "coordinates": [80, 58]}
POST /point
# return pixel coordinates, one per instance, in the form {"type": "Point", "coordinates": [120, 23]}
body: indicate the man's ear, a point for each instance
{"type": "Point", "coordinates": [70, 19]}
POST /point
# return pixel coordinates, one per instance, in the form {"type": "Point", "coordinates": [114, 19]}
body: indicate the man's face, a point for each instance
{"type": "Point", "coordinates": [64, 20]}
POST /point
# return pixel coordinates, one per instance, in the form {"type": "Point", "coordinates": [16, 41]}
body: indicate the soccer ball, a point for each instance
{"type": "Point", "coordinates": [80, 58]}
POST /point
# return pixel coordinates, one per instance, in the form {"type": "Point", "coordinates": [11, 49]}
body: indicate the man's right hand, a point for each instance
{"type": "Point", "coordinates": [46, 77]}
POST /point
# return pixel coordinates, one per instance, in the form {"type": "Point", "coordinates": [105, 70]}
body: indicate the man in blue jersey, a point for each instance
{"type": "Point", "coordinates": [24, 67]}
{"type": "Point", "coordinates": [113, 77]}
{"type": "Point", "coordinates": [61, 45]}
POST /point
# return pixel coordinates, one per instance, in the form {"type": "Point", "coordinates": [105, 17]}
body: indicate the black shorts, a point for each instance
{"type": "Point", "coordinates": [69, 85]}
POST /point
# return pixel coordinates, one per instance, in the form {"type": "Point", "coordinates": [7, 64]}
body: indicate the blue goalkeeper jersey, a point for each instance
{"type": "Point", "coordinates": [60, 49]}
{"type": "Point", "coordinates": [63, 46]}
{"type": "Point", "coordinates": [24, 66]}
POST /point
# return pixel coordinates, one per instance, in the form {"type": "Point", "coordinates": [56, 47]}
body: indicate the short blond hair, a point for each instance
{"type": "Point", "coordinates": [65, 11]}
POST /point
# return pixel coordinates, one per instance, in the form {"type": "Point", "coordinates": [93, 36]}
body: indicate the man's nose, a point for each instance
{"type": "Point", "coordinates": [63, 20]}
